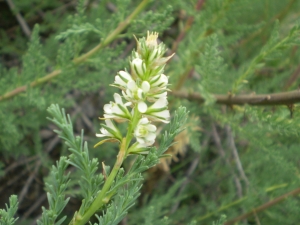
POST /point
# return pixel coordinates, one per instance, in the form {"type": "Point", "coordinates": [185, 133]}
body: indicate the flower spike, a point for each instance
{"type": "Point", "coordinates": [144, 88]}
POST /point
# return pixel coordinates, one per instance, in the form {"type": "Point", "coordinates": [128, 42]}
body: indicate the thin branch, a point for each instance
{"type": "Point", "coordinates": [218, 143]}
{"type": "Point", "coordinates": [236, 155]}
{"type": "Point", "coordinates": [25, 188]}
{"type": "Point", "coordinates": [191, 169]}
{"type": "Point", "coordinates": [283, 98]}
{"type": "Point", "coordinates": [122, 26]}
{"type": "Point", "coordinates": [187, 26]}
{"type": "Point", "coordinates": [32, 208]}
{"type": "Point", "coordinates": [256, 219]}
{"type": "Point", "coordinates": [263, 207]}
{"type": "Point", "coordinates": [22, 22]}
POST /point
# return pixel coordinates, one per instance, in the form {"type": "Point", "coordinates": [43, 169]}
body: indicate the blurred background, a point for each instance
{"type": "Point", "coordinates": [233, 159]}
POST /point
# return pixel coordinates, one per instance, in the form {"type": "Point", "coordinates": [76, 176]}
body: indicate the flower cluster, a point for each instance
{"type": "Point", "coordinates": [144, 90]}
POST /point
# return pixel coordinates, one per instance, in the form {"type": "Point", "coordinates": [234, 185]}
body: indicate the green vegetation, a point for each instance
{"type": "Point", "coordinates": [235, 70]}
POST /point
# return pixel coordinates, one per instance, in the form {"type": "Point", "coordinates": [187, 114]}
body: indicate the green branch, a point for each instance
{"type": "Point", "coordinates": [102, 199]}
{"type": "Point", "coordinates": [81, 58]}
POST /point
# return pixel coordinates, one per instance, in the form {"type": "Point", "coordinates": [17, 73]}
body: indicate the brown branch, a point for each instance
{"type": "Point", "coordinates": [283, 98]}
{"type": "Point", "coordinates": [187, 26]}
{"type": "Point", "coordinates": [263, 207]}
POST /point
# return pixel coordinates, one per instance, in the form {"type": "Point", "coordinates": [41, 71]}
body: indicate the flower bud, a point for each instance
{"type": "Point", "coordinates": [110, 130]}
{"type": "Point", "coordinates": [159, 82]}
{"type": "Point", "coordinates": [138, 67]}
{"type": "Point", "coordinates": [122, 79]}
{"type": "Point", "coordinates": [117, 110]}
{"type": "Point", "coordinates": [159, 111]}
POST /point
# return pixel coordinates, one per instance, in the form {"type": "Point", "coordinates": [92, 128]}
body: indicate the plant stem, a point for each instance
{"type": "Point", "coordinates": [132, 125]}
{"type": "Point", "coordinates": [101, 198]}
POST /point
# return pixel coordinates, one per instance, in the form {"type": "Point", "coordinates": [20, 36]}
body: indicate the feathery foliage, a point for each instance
{"type": "Point", "coordinates": [239, 159]}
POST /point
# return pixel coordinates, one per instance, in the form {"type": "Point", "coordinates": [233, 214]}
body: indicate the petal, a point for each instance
{"type": "Point", "coordinates": [118, 98]}
{"type": "Point", "coordinates": [145, 86]}
{"type": "Point", "coordinates": [142, 107]}
{"type": "Point", "coordinates": [151, 127]}
{"type": "Point", "coordinates": [110, 124]}
{"type": "Point", "coordinates": [138, 66]}
{"type": "Point", "coordinates": [160, 103]}
{"type": "Point", "coordinates": [140, 93]}
{"type": "Point", "coordinates": [107, 108]}
{"type": "Point", "coordinates": [128, 104]}
{"type": "Point", "coordinates": [101, 135]}
{"type": "Point", "coordinates": [164, 114]}
{"type": "Point", "coordinates": [131, 85]}
{"type": "Point", "coordinates": [151, 137]}
{"type": "Point", "coordinates": [119, 81]}
{"type": "Point", "coordinates": [137, 133]}
{"type": "Point", "coordinates": [109, 116]}
{"type": "Point", "coordinates": [140, 140]}
{"type": "Point", "coordinates": [150, 142]}
{"type": "Point", "coordinates": [125, 75]}
{"type": "Point", "coordinates": [144, 120]}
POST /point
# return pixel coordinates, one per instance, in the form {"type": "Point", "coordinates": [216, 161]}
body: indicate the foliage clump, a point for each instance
{"type": "Point", "coordinates": [236, 70]}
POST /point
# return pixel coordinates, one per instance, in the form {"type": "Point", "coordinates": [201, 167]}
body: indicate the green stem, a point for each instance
{"type": "Point", "coordinates": [132, 125]}
{"type": "Point", "coordinates": [102, 199]}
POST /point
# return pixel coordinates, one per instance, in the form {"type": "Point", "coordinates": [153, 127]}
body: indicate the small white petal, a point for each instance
{"type": "Point", "coordinates": [142, 107]}
{"type": "Point", "coordinates": [125, 75]}
{"type": "Point", "coordinates": [163, 114]}
{"type": "Point", "coordinates": [151, 127]}
{"type": "Point", "coordinates": [131, 85]}
{"type": "Point", "coordinates": [107, 108]}
{"type": "Point", "coordinates": [128, 104]}
{"type": "Point", "coordinates": [118, 99]}
{"type": "Point", "coordinates": [144, 120]}
{"type": "Point", "coordinates": [139, 66]}
{"type": "Point", "coordinates": [140, 93]}
{"type": "Point", "coordinates": [109, 124]}
{"type": "Point", "coordinates": [119, 81]}
{"type": "Point", "coordinates": [145, 86]}
{"type": "Point", "coordinates": [160, 103]}
{"type": "Point", "coordinates": [150, 137]}
{"type": "Point", "coordinates": [140, 140]}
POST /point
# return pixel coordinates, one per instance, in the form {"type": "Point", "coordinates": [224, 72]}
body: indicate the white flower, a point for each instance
{"type": "Point", "coordinates": [159, 111]}
{"type": "Point", "coordinates": [145, 133]}
{"type": "Point", "coordinates": [136, 94]}
{"type": "Point", "coordinates": [117, 110]}
{"type": "Point", "coordinates": [122, 79]}
{"type": "Point", "coordinates": [138, 67]}
{"type": "Point", "coordinates": [109, 130]}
